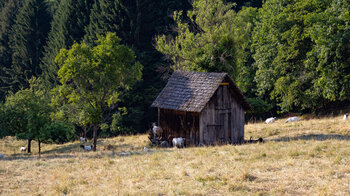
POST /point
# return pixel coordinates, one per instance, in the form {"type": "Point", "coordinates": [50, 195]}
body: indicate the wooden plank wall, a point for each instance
{"type": "Point", "coordinates": [222, 120]}
{"type": "Point", "coordinates": [180, 124]}
{"type": "Point", "coordinates": [237, 125]}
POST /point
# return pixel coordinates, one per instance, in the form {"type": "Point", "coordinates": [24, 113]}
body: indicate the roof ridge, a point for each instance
{"type": "Point", "coordinates": [191, 91]}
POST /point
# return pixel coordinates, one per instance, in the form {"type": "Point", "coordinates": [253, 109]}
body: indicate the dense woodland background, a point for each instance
{"type": "Point", "coordinates": [287, 56]}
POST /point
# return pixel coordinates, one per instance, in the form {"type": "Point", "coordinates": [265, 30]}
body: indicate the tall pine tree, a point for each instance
{"type": "Point", "coordinates": [53, 5]}
{"type": "Point", "coordinates": [2, 3]}
{"type": "Point", "coordinates": [154, 18]}
{"type": "Point", "coordinates": [7, 19]}
{"type": "Point", "coordinates": [27, 41]}
{"type": "Point", "coordinates": [67, 27]}
{"type": "Point", "coordinates": [105, 17]}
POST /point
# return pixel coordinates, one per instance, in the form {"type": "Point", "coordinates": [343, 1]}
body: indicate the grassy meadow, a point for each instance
{"type": "Point", "coordinates": [309, 157]}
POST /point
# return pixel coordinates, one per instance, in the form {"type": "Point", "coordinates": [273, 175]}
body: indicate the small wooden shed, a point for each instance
{"type": "Point", "coordinates": [204, 108]}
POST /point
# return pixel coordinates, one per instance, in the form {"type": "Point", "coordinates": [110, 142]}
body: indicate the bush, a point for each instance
{"type": "Point", "coordinates": [58, 132]}
{"type": "Point", "coordinates": [259, 106]}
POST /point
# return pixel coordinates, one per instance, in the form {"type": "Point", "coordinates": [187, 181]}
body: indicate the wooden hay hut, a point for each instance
{"type": "Point", "coordinates": [204, 108]}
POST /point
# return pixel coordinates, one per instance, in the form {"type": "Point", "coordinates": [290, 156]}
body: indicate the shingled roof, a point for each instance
{"type": "Point", "coordinates": [191, 91]}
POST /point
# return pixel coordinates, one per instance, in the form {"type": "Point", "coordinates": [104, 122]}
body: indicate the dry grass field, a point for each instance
{"type": "Point", "coordinates": [309, 157]}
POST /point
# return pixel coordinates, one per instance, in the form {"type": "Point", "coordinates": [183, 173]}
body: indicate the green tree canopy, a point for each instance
{"type": "Point", "coordinates": [330, 55]}
{"type": "Point", "coordinates": [205, 42]}
{"type": "Point", "coordinates": [244, 22]}
{"type": "Point", "coordinates": [26, 114]}
{"type": "Point", "coordinates": [93, 77]}
{"type": "Point", "coordinates": [281, 44]}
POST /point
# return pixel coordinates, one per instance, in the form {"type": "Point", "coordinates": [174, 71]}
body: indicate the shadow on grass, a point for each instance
{"type": "Point", "coordinates": [76, 148]}
{"type": "Point", "coordinates": [141, 153]}
{"type": "Point", "coordinates": [35, 157]}
{"type": "Point", "coordinates": [63, 149]}
{"type": "Point", "coordinates": [73, 150]}
{"type": "Point", "coordinates": [82, 154]}
{"type": "Point", "coordinates": [318, 137]}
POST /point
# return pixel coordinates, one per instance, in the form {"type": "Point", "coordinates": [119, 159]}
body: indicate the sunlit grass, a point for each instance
{"type": "Point", "coordinates": [310, 157]}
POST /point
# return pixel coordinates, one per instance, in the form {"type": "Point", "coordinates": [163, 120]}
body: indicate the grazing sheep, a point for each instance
{"type": "Point", "coordinates": [83, 140]}
{"type": "Point", "coordinates": [292, 119]}
{"type": "Point", "coordinates": [23, 149]}
{"type": "Point", "coordinates": [157, 131]}
{"type": "Point", "coordinates": [145, 149]}
{"type": "Point", "coordinates": [86, 148]}
{"type": "Point", "coordinates": [179, 142]}
{"type": "Point", "coordinates": [346, 116]}
{"type": "Point", "coordinates": [270, 120]}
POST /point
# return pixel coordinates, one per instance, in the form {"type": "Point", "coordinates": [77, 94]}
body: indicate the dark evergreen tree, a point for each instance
{"type": "Point", "coordinates": [105, 17]}
{"type": "Point", "coordinates": [7, 19]}
{"type": "Point", "coordinates": [153, 18]}
{"type": "Point", "coordinates": [27, 41]}
{"type": "Point", "coordinates": [67, 27]}
{"type": "Point", "coordinates": [137, 23]}
{"type": "Point", "coordinates": [53, 5]}
{"type": "Point", "coordinates": [2, 3]}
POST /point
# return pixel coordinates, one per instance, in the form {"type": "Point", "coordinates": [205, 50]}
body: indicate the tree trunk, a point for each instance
{"type": "Point", "coordinates": [29, 145]}
{"type": "Point", "coordinates": [85, 128]}
{"type": "Point", "coordinates": [95, 129]}
{"type": "Point", "coordinates": [39, 147]}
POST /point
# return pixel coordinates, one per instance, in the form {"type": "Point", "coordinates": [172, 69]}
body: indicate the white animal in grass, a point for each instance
{"type": "Point", "coordinates": [83, 139]}
{"type": "Point", "coordinates": [292, 119]}
{"type": "Point", "coordinates": [270, 120]}
{"type": "Point", "coordinates": [23, 149]}
{"type": "Point", "coordinates": [179, 142]}
{"type": "Point", "coordinates": [86, 148]}
{"type": "Point", "coordinates": [346, 116]}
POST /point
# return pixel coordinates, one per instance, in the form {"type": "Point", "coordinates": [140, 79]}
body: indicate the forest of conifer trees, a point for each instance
{"type": "Point", "coordinates": [285, 55]}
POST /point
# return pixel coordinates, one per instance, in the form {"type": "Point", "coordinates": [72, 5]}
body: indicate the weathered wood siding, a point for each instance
{"type": "Point", "coordinates": [179, 124]}
{"type": "Point", "coordinates": [222, 120]}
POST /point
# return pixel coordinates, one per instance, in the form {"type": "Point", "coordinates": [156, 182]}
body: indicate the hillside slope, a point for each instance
{"type": "Point", "coordinates": [308, 157]}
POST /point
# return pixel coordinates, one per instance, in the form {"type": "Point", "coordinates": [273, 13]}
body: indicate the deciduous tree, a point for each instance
{"type": "Point", "coordinates": [26, 115]}
{"type": "Point", "coordinates": [330, 55]}
{"type": "Point", "coordinates": [205, 42]}
{"type": "Point", "coordinates": [93, 77]}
